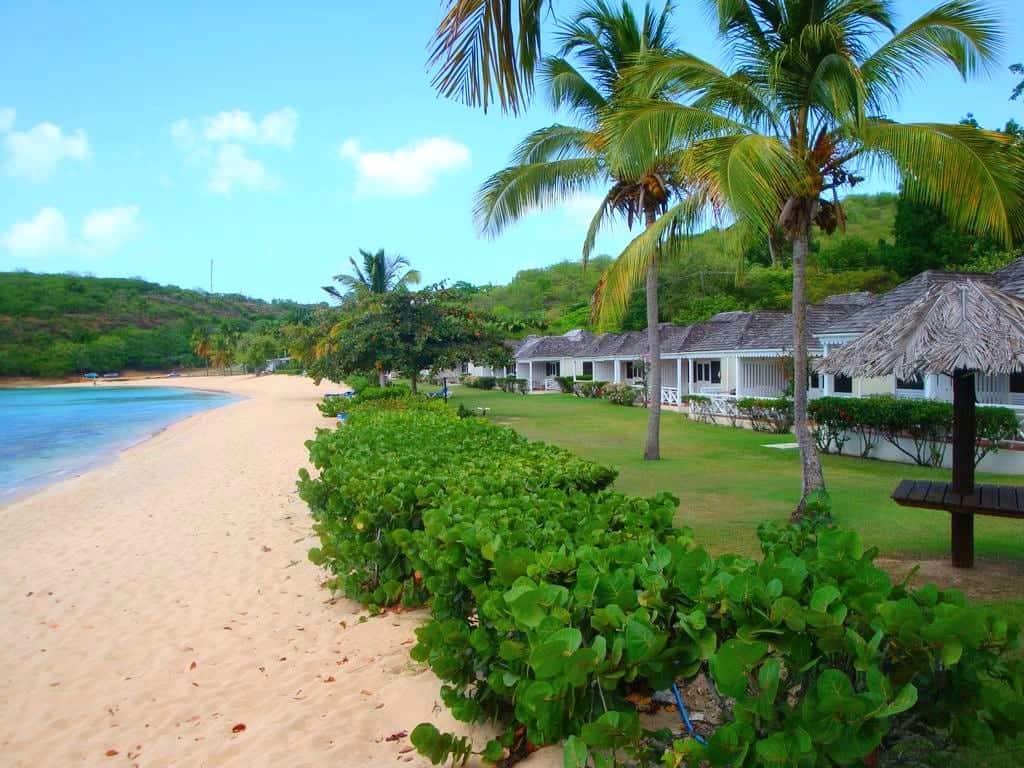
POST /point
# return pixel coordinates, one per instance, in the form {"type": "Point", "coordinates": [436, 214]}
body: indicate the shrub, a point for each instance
{"type": "Point", "coordinates": [584, 377]}
{"type": "Point", "coordinates": [565, 383]}
{"type": "Point", "coordinates": [380, 472]}
{"type": "Point", "coordinates": [621, 394]}
{"type": "Point", "coordinates": [513, 384]}
{"type": "Point", "coordinates": [928, 424]}
{"type": "Point", "coordinates": [358, 382]}
{"type": "Point", "coordinates": [332, 406]}
{"type": "Point", "coordinates": [767, 414]}
{"type": "Point", "coordinates": [555, 602]}
{"type": "Point", "coordinates": [589, 388]}
{"type": "Point", "coordinates": [480, 382]}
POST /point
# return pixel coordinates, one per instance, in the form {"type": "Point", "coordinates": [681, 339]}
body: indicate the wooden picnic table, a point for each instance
{"type": "Point", "coordinates": [992, 500]}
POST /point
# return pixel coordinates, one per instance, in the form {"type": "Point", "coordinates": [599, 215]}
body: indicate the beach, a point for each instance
{"type": "Point", "coordinates": [160, 610]}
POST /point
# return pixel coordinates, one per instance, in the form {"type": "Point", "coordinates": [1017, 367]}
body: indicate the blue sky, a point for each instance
{"type": "Point", "coordinates": [278, 138]}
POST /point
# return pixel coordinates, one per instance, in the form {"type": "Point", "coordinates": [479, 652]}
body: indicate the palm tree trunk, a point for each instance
{"type": "Point", "coordinates": [652, 451]}
{"type": "Point", "coordinates": [812, 477]}
{"type": "Point", "coordinates": [412, 382]}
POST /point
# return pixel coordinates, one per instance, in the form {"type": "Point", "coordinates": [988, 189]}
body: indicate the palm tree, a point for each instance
{"type": "Point", "coordinates": [222, 349]}
{"type": "Point", "coordinates": [379, 273]}
{"type": "Point", "coordinates": [556, 163]}
{"type": "Point", "coordinates": [200, 342]}
{"type": "Point", "coordinates": [801, 115]}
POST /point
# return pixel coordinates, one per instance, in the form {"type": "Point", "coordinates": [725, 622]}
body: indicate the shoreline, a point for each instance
{"type": "Point", "coordinates": [105, 458]}
{"type": "Point", "coordinates": [161, 611]}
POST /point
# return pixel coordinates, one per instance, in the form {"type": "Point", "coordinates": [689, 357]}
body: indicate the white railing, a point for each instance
{"type": "Point", "coordinates": [670, 396]}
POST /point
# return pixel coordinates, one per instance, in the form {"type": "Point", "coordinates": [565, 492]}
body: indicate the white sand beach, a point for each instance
{"type": "Point", "coordinates": [160, 610]}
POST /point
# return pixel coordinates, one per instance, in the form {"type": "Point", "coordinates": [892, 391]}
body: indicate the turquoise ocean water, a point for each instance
{"type": "Point", "coordinates": [47, 434]}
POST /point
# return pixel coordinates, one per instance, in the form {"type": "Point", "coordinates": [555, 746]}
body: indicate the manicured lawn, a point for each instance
{"type": "Point", "coordinates": [727, 482]}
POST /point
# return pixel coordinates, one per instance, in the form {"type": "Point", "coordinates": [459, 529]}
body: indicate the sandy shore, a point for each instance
{"type": "Point", "coordinates": [153, 607]}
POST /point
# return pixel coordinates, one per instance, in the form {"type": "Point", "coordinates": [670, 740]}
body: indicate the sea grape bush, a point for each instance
{"type": "Point", "coordinates": [927, 423]}
{"type": "Point", "coordinates": [554, 601]}
{"type": "Point", "coordinates": [380, 472]}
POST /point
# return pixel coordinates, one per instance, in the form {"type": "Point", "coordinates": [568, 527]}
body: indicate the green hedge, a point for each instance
{"type": "Point", "coordinates": [554, 602]}
{"type": "Point", "coordinates": [927, 423]}
{"type": "Point", "coordinates": [480, 382]}
{"type": "Point", "coordinates": [513, 384]}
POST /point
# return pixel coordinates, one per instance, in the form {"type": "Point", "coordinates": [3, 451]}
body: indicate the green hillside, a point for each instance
{"type": "Point", "coordinates": [711, 276]}
{"type": "Point", "coordinates": [53, 325]}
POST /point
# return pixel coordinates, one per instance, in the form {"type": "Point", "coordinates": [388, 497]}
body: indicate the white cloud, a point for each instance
{"type": "Point", "coordinates": [47, 233]}
{"type": "Point", "coordinates": [219, 142]}
{"type": "Point", "coordinates": [407, 171]}
{"type": "Point", "coordinates": [35, 154]}
{"type": "Point", "coordinates": [110, 228]}
{"type": "Point", "coordinates": [276, 128]}
{"type": "Point", "coordinates": [234, 168]}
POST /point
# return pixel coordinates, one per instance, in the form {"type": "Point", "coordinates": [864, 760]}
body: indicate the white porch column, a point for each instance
{"type": "Point", "coordinates": [679, 374]}
{"type": "Point", "coordinates": [615, 372]}
{"type": "Point", "coordinates": [929, 386]}
{"type": "Point", "coordinates": [827, 385]}
{"type": "Point", "coordinates": [529, 381]}
{"type": "Point", "coordinates": [739, 377]}
{"type": "Point", "coordinates": [689, 381]}
{"type": "Point", "coordinates": [574, 367]}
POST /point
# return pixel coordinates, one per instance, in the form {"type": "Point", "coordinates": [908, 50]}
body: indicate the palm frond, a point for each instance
{"type": "Point", "coordinates": [596, 224]}
{"type": "Point", "coordinates": [487, 50]}
{"type": "Point", "coordinates": [752, 174]}
{"type": "Point", "coordinates": [975, 177]}
{"type": "Point", "coordinates": [507, 195]}
{"type": "Point", "coordinates": [611, 300]}
{"type": "Point", "coordinates": [641, 131]}
{"type": "Point", "coordinates": [568, 88]}
{"type": "Point", "coordinates": [963, 33]}
{"type": "Point", "coordinates": [555, 142]}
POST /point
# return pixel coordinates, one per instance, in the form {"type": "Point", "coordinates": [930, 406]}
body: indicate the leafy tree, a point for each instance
{"type": "Point", "coordinates": [409, 332]}
{"type": "Point", "coordinates": [255, 349]}
{"type": "Point", "coordinates": [556, 163]}
{"type": "Point", "coordinates": [800, 115]}
{"type": "Point", "coordinates": [379, 273]}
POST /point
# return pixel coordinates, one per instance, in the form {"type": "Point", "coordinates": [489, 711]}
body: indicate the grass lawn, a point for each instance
{"type": "Point", "coordinates": [728, 482]}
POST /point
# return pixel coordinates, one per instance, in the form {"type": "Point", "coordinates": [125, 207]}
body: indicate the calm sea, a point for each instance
{"type": "Point", "coordinates": [47, 434]}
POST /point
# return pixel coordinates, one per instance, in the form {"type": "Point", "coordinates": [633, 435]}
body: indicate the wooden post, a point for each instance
{"type": "Point", "coordinates": [964, 436]}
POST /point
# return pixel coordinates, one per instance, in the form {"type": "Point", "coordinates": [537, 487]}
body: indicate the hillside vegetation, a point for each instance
{"type": "Point", "coordinates": [53, 325]}
{"type": "Point", "coordinates": [885, 241]}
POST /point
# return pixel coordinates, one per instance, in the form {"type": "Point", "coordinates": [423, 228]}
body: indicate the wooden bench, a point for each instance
{"type": "Point", "coordinates": [992, 500]}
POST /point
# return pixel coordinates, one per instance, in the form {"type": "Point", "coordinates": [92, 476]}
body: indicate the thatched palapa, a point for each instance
{"type": "Point", "coordinates": [966, 325]}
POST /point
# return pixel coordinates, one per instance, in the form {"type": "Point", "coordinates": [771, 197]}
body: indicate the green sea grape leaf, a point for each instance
{"type": "Point", "coordinates": [733, 662]}
{"type": "Point", "coordinates": [549, 658]}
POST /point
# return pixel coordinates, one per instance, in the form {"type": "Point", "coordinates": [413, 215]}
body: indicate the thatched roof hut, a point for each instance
{"type": "Point", "coordinates": [958, 329]}
{"type": "Point", "coordinates": [964, 325]}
